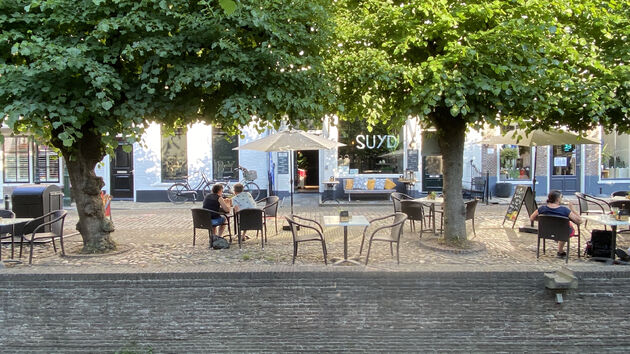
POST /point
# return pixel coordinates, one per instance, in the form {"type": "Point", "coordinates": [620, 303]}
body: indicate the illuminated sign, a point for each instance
{"type": "Point", "coordinates": [376, 141]}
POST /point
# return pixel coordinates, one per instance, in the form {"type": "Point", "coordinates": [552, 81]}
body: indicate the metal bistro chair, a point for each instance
{"type": "Point", "coordinates": [271, 209]}
{"type": "Point", "coordinates": [202, 219]}
{"type": "Point", "coordinates": [585, 201]}
{"type": "Point", "coordinates": [380, 234]}
{"type": "Point", "coordinates": [415, 212]}
{"type": "Point", "coordinates": [248, 220]}
{"type": "Point", "coordinates": [306, 230]}
{"type": "Point", "coordinates": [7, 231]}
{"type": "Point", "coordinates": [397, 198]}
{"type": "Point", "coordinates": [55, 222]}
{"type": "Point", "coordinates": [553, 227]}
{"type": "Point", "coordinates": [471, 206]}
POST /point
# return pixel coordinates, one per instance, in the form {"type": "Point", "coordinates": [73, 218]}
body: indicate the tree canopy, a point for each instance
{"type": "Point", "coordinates": [456, 65]}
{"type": "Point", "coordinates": [83, 74]}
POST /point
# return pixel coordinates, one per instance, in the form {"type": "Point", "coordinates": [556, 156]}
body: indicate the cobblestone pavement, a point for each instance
{"type": "Point", "coordinates": [157, 237]}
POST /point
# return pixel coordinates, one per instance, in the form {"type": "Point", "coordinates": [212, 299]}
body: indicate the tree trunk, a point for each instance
{"type": "Point", "coordinates": [86, 187]}
{"type": "Point", "coordinates": [451, 138]}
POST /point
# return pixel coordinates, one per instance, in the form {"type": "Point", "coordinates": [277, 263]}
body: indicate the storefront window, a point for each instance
{"type": "Point", "coordinates": [174, 157]}
{"type": "Point", "coordinates": [224, 156]}
{"type": "Point", "coordinates": [515, 163]}
{"type": "Point", "coordinates": [46, 164]}
{"type": "Point", "coordinates": [615, 155]}
{"type": "Point", "coordinates": [379, 151]}
{"type": "Point", "coordinates": [16, 159]}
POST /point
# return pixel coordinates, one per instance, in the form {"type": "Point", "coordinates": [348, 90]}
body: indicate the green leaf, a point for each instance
{"type": "Point", "coordinates": [107, 105]}
{"type": "Point", "coordinates": [228, 6]}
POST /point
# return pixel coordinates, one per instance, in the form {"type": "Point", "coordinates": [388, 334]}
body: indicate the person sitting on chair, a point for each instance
{"type": "Point", "coordinates": [554, 207]}
{"type": "Point", "coordinates": [242, 200]}
{"type": "Point", "coordinates": [215, 202]}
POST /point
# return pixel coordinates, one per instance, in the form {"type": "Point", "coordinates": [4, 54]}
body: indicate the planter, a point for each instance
{"type": "Point", "coordinates": [503, 190]}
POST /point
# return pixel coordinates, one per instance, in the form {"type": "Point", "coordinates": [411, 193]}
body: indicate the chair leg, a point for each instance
{"type": "Point", "coordinates": [63, 251]}
{"type": "Point", "coordinates": [325, 253]}
{"type": "Point", "coordinates": [567, 256]}
{"type": "Point", "coordinates": [21, 243]}
{"type": "Point", "coordinates": [30, 256]}
{"type": "Point", "coordinates": [367, 256]}
{"type": "Point", "coordinates": [473, 226]}
{"type": "Point", "coordinates": [52, 239]}
{"type": "Point", "coordinates": [276, 221]}
{"type": "Point", "coordinates": [398, 252]}
{"type": "Point", "coordinates": [538, 249]}
{"type": "Point", "coordinates": [195, 234]}
{"type": "Point", "coordinates": [295, 248]}
{"type": "Point", "coordinates": [209, 239]}
{"type": "Point", "coordinates": [391, 249]}
{"type": "Point", "coordinates": [361, 248]}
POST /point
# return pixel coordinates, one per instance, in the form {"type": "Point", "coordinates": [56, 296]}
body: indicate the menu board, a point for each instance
{"type": "Point", "coordinates": [283, 163]}
{"type": "Point", "coordinates": [522, 195]}
{"type": "Point", "coordinates": [412, 160]}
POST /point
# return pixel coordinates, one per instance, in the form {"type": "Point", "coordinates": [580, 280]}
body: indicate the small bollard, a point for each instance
{"type": "Point", "coordinates": [7, 202]}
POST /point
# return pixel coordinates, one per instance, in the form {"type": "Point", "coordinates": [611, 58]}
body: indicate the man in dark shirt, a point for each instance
{"type": "Point", "coordinates": [215, 202]}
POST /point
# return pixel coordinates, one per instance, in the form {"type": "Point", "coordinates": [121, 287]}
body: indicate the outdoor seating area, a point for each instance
{"type": "Point", "coordinates": [160, 235]}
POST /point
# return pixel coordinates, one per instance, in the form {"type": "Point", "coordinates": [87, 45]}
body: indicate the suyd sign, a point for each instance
{"type": "Point", "coordinates": [376, 141]}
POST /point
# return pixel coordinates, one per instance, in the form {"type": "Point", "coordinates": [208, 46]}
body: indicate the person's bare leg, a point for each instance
{"type": "Point", "coordinates": [221, 229]}
{"type": "Point", "coordinates": [561, 246]}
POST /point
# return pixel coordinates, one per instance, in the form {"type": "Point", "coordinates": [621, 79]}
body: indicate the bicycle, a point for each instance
{"type": "Point", "coordinates": [249, 176]}
{"type": "Point", "coordinates": [180, 192]}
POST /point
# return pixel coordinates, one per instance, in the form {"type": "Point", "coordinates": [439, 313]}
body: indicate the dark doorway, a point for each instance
{"type": "Point", "coordinates": [565, 168]}
{"type": "Point", "coordinates": [121, 172]}
{"type": "Point", "coordinates": [307, 174]}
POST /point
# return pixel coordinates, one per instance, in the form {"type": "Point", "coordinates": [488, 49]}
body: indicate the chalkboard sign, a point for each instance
{"type": "Point", "coordinates": [412, 160]}
{"type": "Point", "coordinates": [283, 163]}
{"type": "Point", "coordinates": [522, 195]}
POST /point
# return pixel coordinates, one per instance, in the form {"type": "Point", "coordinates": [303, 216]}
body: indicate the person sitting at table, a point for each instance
{"type": "Point", "coordinates": [554, 207]}
{"type": "Point", "coordinates": [215, 202]}
{"type": "Point", "coordinates": [242, 200]}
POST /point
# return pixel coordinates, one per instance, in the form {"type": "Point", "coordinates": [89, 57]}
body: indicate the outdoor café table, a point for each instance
{"type": "Point", "coordinates": [607, 219]}
{"type": "Point", "coordinates": [354, 220]}
{"type": "Point", "coordinates": [12, 222]}
{"type": "Point", "coordinates": [433, 202]}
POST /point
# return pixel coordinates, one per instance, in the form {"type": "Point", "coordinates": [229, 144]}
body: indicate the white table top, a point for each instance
{"type": "Point", "coordinates": [437, 200]}
{"type": "Point", "coordinates": [355, 220]}
{"type": "Point", "coordinates": [12, 221]}
{"type": "Point", "coordinates": [605, 219]}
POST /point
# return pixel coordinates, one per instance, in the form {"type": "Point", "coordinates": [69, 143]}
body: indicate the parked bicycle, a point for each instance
{"type": "Point", "coordinates": [182, 191]}
{"type": "Point", "coordinates": [249, 176]}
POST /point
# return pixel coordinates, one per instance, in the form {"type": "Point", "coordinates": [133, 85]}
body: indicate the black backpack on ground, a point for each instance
{"type": "Point", "coordinates": [600, 245]}
{"type": "Point", "coordinates": [219, 243]}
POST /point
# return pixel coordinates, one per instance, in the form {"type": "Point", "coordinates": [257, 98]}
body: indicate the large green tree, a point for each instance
{"type": "Point", "coordinates": [84, 74]}
{"type": "Point", "coordinates": [462, 64]}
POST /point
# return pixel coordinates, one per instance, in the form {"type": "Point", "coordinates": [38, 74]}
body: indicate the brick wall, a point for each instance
{"type": "Point", "coordinates": [311, 311]}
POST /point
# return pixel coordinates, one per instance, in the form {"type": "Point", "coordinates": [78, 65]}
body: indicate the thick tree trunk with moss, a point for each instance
{"type": "Point", "coordinates": [81, 161]}
{"type": "Point", "coordinates": [451, 138]}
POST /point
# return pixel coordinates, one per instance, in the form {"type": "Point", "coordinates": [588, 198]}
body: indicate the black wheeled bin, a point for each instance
{"type": "Point", "coordinates": [35, 200]}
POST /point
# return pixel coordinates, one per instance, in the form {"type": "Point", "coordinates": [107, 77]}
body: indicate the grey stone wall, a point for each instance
{"type": "Point", "coordinates": [312, 312]}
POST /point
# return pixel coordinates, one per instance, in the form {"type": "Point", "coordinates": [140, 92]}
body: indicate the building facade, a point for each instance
{"type": "Point", "coordinates": [146, 170]}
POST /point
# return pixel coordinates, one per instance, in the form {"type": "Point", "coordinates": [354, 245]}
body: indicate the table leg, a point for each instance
{"type": "Point", "coordinates": [345, 250]}
{"type": "Point", "coordinates": [433, 212]}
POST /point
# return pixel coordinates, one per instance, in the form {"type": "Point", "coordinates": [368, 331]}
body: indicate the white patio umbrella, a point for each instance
{"type": "Point", "coordinates": [290, 140]}
{"type": "Point", "coordinates": [538, 138]}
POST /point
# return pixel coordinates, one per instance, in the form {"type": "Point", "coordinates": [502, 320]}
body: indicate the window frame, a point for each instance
{"type": "Point", "coordinates": [234, 175]}
{"type": "Point", "coordinates": [500, 179]}
{"type": "Point", "coordinates": [600, 168]}
{"type": "Point", "coordinates": [36, 166]}
{"type": "Point", "coordinates": [183, 169]}
{"type": "Point", "coordinates": [5, 164]}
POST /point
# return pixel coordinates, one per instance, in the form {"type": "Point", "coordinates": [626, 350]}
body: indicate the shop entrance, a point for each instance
{"type": "Point", "coordinates": [432, 178]}
{"type": "Point", "coordinates": [565, 167]}
{"type": "Point", "coordinates": [306, 171]}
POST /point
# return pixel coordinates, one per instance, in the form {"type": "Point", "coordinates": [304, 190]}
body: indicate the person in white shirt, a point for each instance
{"type": "Point", "coordinates": [242, 200]}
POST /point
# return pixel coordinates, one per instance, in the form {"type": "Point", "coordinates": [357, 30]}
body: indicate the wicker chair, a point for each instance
{"type": "Point", "coordinates": [380, 233]}
{"type": "Point", "coordinates": [397, 198]}
{"type": "Point", "coordinates": [586, 201]}
{"type": "Point", "coordinates": [305, 230]}
{"type": "Point", "coordinates": [271, 209]}
{"type": "Point", "coordinates": [248, 220]}
{"type": "Point", "coordinates": [55, 223]}
{"type": "Point", "coordinates": [471, 206]}
{"type": "Point", "coordinates": [553, 227]}
{"type": "Point", "coordinates": [415, 212]}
